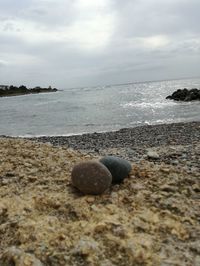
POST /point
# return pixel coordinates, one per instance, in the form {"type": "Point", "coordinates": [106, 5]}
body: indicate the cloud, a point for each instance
{"type": "Point", "coordinates": [88, 42]}
{"type": "Point", "coordinates": [2, 64]}
{"type": "Point", "coordinates": [159, 17]}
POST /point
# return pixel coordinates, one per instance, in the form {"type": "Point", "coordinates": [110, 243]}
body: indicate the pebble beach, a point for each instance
{"type": "Point", "coordinates": [152, 218]}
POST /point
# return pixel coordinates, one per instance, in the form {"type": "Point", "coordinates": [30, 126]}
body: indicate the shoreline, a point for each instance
{"type": "Point", "coordinates": [135, 128]}
{"type": "Point", "coordinates": [147, 135]}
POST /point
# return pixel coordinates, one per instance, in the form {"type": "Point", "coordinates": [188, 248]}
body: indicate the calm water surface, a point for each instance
{"type": "Point", "coordinates": [96, 109]}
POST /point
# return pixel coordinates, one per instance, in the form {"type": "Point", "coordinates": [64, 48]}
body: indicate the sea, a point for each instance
{"type": "Point", "coordinates": [96, 109]}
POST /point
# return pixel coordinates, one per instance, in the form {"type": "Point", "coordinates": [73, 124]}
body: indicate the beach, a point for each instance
{"type": "Point", "coordinates": [152, 218]}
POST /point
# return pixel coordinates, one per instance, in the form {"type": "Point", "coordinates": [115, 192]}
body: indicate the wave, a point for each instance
{"type": "Point", "coordinates": [48, 102]}
{"type": "Point", "coordinates": [155, 105]}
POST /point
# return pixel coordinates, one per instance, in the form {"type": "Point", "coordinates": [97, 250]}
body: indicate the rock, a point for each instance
{"type": "Point", "coordinates": [86, 247]}
{"type": "Point", "coordinates": [168, 188]}
{"type": "Point", "coordinates": [91, 177]}
{"type": "Point", "coordinates": [165, 170]}
{"type": "Point", "coordinates": [175, 162]}
{"type": "Point", "coordinates": [119, 168]}
{"type": "Point", "coordinates": [152, 155]}
{"type": "Point", "coordinates": [197, 261]}
{"type": "Point", "coordinates": [185, 95]}
{"type": "Point", "coordinates": [15, 256]}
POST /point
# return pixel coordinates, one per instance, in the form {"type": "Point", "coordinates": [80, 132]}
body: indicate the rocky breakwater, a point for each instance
{"type": "Point", "coordinates": [185, 95]}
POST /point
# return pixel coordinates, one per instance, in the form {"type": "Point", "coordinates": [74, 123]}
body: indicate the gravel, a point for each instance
{"type": "Point", "coordinates": [175, 144]}
{"type": "Point", "coordinates": [143, 136]}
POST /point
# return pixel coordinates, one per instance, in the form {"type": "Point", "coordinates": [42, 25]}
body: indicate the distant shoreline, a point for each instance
{"type": "Point", "coordinates": [21, 94]}
{"type": "Point", "coordinates": [9, 91]}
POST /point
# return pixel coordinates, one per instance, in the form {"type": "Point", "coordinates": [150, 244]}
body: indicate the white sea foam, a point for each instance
{"type": "Point", "coordinates": [148, 104]}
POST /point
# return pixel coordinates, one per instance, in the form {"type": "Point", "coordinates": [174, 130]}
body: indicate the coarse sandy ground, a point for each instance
{"type": "Point", "coordinates": [152, 218]}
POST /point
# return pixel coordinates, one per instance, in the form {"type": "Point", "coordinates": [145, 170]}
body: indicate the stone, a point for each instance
{"type": "Point", "coordinates": [175, 162]}
{"type": "Point", "coordinates": [16, 256]}
{"type": "Point", "coordinates": [119, 168]}
{"type": "Point", "coordinates": [152, 155]}
{"type": "Point", "coordinates": [91, 177]}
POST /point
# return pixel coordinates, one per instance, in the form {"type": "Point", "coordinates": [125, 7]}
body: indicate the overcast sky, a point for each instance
{"type": "Point", "coordinates": [70, 43]}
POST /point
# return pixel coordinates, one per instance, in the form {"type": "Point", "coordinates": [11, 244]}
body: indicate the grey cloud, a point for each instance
{"type": "Point", "coordinates": [46, 14]}
{"type": "Point", "coordinates": [2, 64]}
{"type": "Point", "coordinates": [63, 63]}
{"type": "Point", "coordinates": [142, 18]}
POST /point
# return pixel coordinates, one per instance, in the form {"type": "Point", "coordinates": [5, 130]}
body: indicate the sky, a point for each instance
{"type": "Point", "coordinates": [75, 43]}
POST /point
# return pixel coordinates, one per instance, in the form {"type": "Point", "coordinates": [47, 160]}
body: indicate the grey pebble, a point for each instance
{"type": "Point", "coordinates": [152, 155]}
{"type": "Point", "coordinates": [119, 168]}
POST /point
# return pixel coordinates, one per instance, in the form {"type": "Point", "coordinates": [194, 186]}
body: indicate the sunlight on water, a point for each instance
{"type": "Point", "coordinates": [96, 109]}
{"type": "Point", "coordinates": [148, 105]}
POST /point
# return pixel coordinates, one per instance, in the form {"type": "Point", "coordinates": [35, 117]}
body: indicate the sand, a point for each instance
{"type": "Point", "coordinates": [152, 218]}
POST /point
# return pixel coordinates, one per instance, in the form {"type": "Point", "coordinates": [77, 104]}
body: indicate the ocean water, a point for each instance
{"type": "Point", "coordinates": [96, 109]}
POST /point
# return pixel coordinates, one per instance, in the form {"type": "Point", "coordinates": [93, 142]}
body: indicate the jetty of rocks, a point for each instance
{"type": "Point", "coordinates": [185, 95]}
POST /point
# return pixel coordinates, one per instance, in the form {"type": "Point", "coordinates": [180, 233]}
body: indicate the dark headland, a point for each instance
{"type": "Point", "coordinates": [22, 90]}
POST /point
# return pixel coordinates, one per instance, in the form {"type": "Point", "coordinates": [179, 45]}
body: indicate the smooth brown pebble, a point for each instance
{"type": "Point", "coordinates": [91, 177]}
